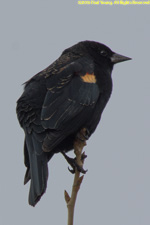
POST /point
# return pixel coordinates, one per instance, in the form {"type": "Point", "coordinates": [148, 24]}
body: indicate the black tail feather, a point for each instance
{"type": "Point", "coordinates": [37, 170]}
{"type": "Point", "coordinates": [39, 176]}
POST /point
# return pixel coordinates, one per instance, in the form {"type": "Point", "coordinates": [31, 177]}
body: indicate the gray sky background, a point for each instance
{"type": "Point", "coordinates": [116, 189]}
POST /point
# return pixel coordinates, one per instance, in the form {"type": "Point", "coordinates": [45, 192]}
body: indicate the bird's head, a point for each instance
{"type": "Point", "coordinates": [102, 54]}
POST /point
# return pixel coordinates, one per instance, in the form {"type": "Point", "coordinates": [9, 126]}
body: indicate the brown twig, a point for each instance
{"type": "Point", "coordinates": [78, 147]}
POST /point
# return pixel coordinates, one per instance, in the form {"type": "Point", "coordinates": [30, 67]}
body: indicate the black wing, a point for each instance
{"type": "Point", "coordinates": [69, 101]}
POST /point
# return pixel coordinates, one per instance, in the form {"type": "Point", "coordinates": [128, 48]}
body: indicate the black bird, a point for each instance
{"type": "Point", "coordinates": [58, 102]}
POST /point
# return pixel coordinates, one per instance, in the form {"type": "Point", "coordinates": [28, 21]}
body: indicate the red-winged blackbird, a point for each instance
{"type": "Point", "coordinates": [58, 102]}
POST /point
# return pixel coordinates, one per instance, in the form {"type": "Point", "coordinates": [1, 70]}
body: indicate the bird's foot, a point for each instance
{"type": "Point", "coordinates": [72, 162]}
{"type": "Point", "coordinates": [83, 135]}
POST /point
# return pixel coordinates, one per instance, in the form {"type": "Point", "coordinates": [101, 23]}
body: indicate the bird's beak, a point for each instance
{"type": "Point", "coordinates": [116, 58]}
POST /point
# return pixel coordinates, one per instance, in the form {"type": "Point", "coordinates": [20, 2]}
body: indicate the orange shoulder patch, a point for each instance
{"type": "Point", "coordinates": [89, 78]}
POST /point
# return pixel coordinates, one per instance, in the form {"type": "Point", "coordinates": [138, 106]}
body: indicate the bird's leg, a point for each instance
{"type": "Point", "coordinates": [83, 135]}
{"type": "Point", "coordinates": [79, 141]}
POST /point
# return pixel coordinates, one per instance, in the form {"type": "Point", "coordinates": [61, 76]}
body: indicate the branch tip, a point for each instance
{"type": "Point", "coordinates": [67, 197]}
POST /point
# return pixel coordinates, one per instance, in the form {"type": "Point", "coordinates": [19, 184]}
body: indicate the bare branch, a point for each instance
{"type": "Point", "coordinates": [78, 147]}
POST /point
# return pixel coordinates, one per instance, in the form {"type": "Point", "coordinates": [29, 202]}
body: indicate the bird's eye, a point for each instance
{"type": "Point", "coordinates": [103, 53]}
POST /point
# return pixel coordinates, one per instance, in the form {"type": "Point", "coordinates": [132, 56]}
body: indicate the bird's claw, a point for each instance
{"type": "Point", "coordinates": [74, 164]}
{"type": "Point", "coordinates": [71, 170]}
{"type": "Point", "coordinates": [79, 168]}
{"type": "Point", "coordinates": [83, 156]}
